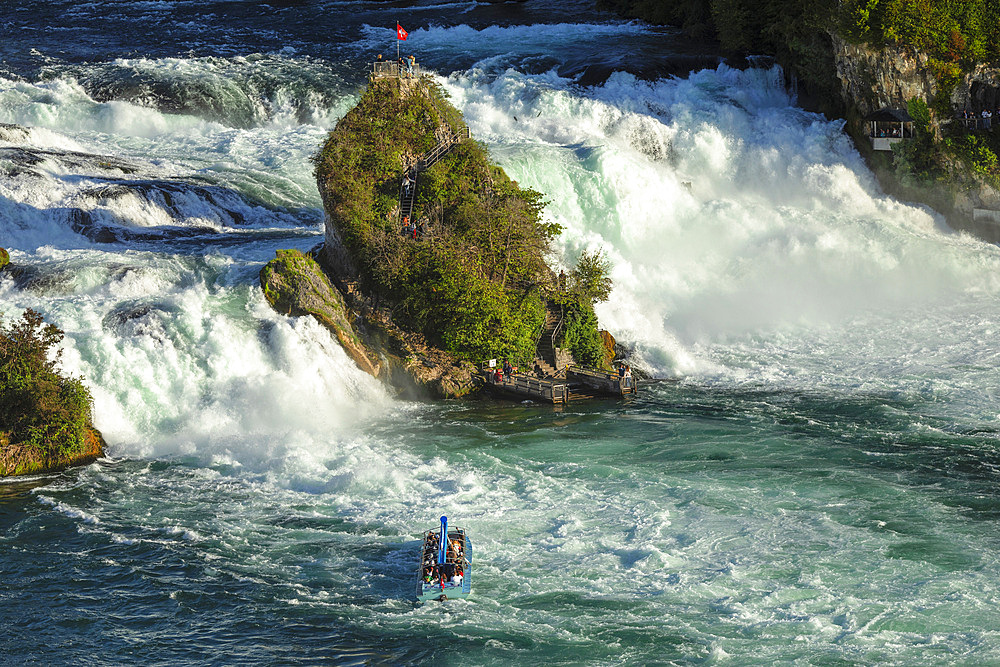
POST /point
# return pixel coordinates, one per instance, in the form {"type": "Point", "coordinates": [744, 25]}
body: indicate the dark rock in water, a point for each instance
{"type": "Point", "coordinates": [134, 320]}
{"type": "Point", "coordinates": [42, 280]}
{"type": "Point", "coordinates": [24, 159]}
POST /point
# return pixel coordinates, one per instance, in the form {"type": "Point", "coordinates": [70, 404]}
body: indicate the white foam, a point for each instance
{"type": "Point", "coordinates": [782, 233]}
{"type": "Point", "coordinates": [71, 512]}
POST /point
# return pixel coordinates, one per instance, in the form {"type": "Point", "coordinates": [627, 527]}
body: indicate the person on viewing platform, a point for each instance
{"type": "Point", "coordinates": [411, 61]}
{"type": "Point", "coordinates": [507, 368]}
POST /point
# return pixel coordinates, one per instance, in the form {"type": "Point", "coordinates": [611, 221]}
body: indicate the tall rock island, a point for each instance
{"type": "Point", "coordinates": [434, 260]}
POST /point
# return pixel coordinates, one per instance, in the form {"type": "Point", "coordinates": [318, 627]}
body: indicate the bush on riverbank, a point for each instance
{"type": "Point", "coordinates": [44, 415]}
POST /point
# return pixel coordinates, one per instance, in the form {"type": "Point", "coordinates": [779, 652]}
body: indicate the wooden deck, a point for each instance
{"type": "Point", "coordinates": [580, 384]}
{"type": "Point", "coordinates": [526, 386]}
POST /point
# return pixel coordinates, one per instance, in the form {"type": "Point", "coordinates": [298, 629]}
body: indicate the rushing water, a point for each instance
{"type": "Point", "coordinates": [813, 477]}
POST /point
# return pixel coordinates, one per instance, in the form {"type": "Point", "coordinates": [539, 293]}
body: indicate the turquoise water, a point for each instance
{"type": "Point", "coordinates": [809, 478]}
{"type": "Point", "coordinates": [687, 525]}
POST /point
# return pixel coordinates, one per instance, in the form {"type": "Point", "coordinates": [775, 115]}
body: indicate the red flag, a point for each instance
{"type": "Point", "coordinates": [400, 33]}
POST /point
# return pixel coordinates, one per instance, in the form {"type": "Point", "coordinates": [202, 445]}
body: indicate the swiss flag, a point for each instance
{"type": "Point", "coordinates": [400, 33]}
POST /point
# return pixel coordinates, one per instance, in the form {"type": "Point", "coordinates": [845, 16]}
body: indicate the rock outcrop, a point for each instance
{"type": "Point", "coordinates": [888, 77]}
{"type": "Point", "coordinates": [872, 79]}
{"type": "Point", "coordinates": [45, 416]}
{"type": "Point", "coordinates": [18, 459]}
{"type": "Point", "coordinates": [296, 284]}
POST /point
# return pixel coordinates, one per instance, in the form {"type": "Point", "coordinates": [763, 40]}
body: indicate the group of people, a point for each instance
{"type": "Point", "coordinates": [504, 369]}
{"type": "Point", "coordinates": [412, 229]}
{"type": "Point", "coordinates": [893, 132]}
{"type": "Point", "coordinates": [982, 120]}
{"type": "Point", "coordinates": [452, 571]}
{"type": "Point", "coordinates": [406, 64]}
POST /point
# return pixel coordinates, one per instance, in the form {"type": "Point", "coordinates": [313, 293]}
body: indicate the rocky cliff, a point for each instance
{"type": "Point", "coordinates": [890, 77]}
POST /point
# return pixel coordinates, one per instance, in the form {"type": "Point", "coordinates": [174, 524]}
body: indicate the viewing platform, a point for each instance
{"type": "Point", "coordinates": [579, 384]}
{"type": "Point", "coordinates": [393, 69]}
{"type": "Point", "coordinates": [889, 126]}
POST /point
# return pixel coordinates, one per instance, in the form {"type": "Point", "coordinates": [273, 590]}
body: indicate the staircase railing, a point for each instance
{"type": "Point", "coordinates": [557, 329]}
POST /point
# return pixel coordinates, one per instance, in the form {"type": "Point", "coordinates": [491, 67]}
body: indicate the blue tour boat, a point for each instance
{"type": "Point", "coordinates": [445, 569]}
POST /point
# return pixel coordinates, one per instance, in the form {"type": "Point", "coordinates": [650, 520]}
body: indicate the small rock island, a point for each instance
{"type": "Point", "coordinates": [435, 260]}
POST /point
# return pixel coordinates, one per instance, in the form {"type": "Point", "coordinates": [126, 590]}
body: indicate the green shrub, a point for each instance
{"type": "Point", "coordinates": [581, 336]}
{"type": "Point", "coordinates": [40, 408]}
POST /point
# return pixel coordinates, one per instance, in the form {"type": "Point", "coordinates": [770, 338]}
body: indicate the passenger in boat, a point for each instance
{"type": "Point", "coordinates": [507, 368]}
{"type": "Point", "coordinates": [498, 376]}
{"type": "Point", "coordinates": [457, 579]}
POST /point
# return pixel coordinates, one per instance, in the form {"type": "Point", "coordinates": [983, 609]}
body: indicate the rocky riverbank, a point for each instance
{"type": "Point", "coordinates": [850, 60]}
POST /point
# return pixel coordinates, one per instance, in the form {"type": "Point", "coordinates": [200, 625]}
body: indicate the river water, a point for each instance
{"type": "Point", "coordinates": [812, 478]}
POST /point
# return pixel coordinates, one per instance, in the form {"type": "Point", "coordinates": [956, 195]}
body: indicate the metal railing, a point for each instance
{"type": "Point", "coordinates": [390, 68]}
{"type": "Point", "coordinates": [527, 385]}
{"type": "Point", "coordinates": [608, 381]}
{"type": "Point", "coordinates": [557, 330]}
{"type": "Point", "coordinates": [975, 124]}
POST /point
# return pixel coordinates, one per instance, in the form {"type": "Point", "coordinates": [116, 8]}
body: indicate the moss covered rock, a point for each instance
{"type": "Point", "coordinates": [4, 259]}
{"type": "Point", "coordinates": [294, 284]}
{"type": "Point", "coordinates": [474, 283]}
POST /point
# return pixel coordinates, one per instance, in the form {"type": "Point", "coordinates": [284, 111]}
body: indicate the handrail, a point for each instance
{"type": "Point", "coordinates": [391, 68]}
{"type": "Point", "coordinates": [557, 329]}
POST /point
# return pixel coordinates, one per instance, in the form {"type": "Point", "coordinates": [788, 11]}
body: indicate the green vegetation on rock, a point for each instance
{"type": "Point", "coordinates": [477, 283]}
{"type": "Point", "coordinates": [4, 259]}
{"type": "Point", "coordinates": [589, 283]}
{"type": "Point", "coordinates": [44, 415]}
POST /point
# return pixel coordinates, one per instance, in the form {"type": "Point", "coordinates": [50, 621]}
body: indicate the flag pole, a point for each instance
{"type": "Point", "coordinates": [397, 44]}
